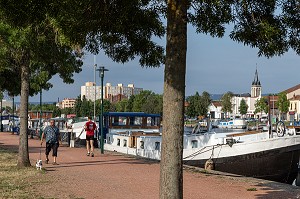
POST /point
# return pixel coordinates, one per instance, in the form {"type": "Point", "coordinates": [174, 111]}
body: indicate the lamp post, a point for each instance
{"type": "Point", "coordinates": [95, 66]}
{"type": "Point", "coordinates": [273, 109]}
{"type": "Point", "coordinates": [101, 70]}
{"type": "Point", "coordinates": [13, 112]}
{"type": "Point", "coordinates": [1, 126]}
{"type": "Point", "coordinates": [41, 112]}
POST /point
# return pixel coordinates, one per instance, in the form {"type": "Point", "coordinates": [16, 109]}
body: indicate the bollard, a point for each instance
{"type": "Point", "coordinates": [209, 165]}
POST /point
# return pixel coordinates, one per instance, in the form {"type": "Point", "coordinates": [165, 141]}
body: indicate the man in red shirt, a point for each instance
{"type": "Point", "coordinates": [90, 127]}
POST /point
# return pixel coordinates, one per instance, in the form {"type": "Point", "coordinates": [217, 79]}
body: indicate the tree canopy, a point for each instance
{"type": "Point", "coordinates": [282, 103]}
{"type": "Point", "coordinates": [41, 39]}
{"type": "Point", "coordinates": [243, 107]}
{"type": "Point", "coordinates": [261, 105]}
{"type": "Point", "coordinates": [198, 104]}
{"type": "Point", "coordinates": [226, 102]}
{"type": "Point", "coordinates": [125, 30]}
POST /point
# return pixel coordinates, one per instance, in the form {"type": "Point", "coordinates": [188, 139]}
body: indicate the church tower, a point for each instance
{"type": "Point", "coordinates": [256, 86]}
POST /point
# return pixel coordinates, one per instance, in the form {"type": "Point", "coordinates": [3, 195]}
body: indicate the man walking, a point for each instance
{"type": "Point", "coordinates": [52, 135]}
{"type": "Point", "coordinates": [90, 127]}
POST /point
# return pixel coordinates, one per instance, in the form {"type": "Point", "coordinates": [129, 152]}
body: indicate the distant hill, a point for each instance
{"type": "Point", "coordinates": [216, 96]}
{"type": "Point", "coordinates": [37, 103]}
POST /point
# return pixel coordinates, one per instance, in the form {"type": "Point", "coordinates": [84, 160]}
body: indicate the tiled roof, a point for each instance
{"type": "Point", "coordinates": [297, 97]}
{"type": "Point", "coordinates": [216, 103]}
{"type": "Point", "coordinates": [292, 89]}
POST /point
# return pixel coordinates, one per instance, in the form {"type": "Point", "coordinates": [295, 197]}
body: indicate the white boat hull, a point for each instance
{"type": "Point", "coordinates": [254, 155]}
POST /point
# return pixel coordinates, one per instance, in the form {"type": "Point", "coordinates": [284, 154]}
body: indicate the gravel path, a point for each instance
{"type": "Point", "coordinates": [113, 176]}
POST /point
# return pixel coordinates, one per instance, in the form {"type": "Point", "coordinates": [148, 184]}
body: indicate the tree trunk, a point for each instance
{"type": "Point", "coordinates": [171, 181]}
{"type": "Point", "coordinates": [23, 158]}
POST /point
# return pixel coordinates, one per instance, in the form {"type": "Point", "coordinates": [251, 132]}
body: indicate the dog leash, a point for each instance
{"type": "Point", "coordinates": [41, 151]}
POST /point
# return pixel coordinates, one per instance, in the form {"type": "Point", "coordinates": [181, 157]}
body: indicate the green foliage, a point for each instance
{"type": "Point", "coordinates": [77, 106]}
{"type": "Point", "coordinates": [205, 102]}
{"type": "Point", "coordinates": [283, 103]}
{"type": "Point", "coordinates": [129, 106]}
{"type": "Point", "coordinates": [39, 48]}
{"type": "Point", "coordinates": [122, 30]}
{"type": "Point", "coordinates": [146, 101]}
{"type": "Point", "coordinates": [226, 102]}
{"type": "Point", "coordinates": [198, 104]}
{"type": "Point", "coordinates": [209, 16]}
{"type": "Point", "coordinates": [121, 105]}
{"type": "Point", "coordinates": [85, 109]}
{"type": "Point", "coordinates": [243, 107]}
{"type": "Point", "coordinates": [269, 25]}
{"type": "Point", "coordinates": [57, 112]}
{"type": "Point", "coordinates": [48, 107]}
{"type": "Point", "coordinates": [193, 101]}
{"type": "Point", "coordinates": [261, 105]}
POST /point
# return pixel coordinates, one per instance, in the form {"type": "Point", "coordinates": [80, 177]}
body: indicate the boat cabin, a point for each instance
{"type": "Point", "coordinates": [123, 128]}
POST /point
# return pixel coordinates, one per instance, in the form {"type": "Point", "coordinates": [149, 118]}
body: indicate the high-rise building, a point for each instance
{"type": "Point", "coordinates": [68, 103]}
{"type": "Point", "coordinates": [109, 92]}
{"type": "Point", "coordinates": [91, 91]}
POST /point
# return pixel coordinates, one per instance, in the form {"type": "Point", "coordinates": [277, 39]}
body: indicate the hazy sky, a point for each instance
{"type": "Point", "coordinates": [215, 65]}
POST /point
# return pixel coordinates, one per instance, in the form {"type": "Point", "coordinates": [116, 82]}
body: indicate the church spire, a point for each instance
{"type": "Point", "coordinates": [256, 81]}
{"type": "Point", "coordinates": [256, 86]}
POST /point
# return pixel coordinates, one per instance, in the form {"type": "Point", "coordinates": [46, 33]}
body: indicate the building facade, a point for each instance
{"type": "Point", "coordinates": [111, 93]}
{"type": "Point", "coordinates": [293, 95]}
{"type": "Point", "coordinates": [250, 99]}
{"type": "Point", "coordinates": [91, 91]}
{"type": "Point", "coordinates": [68, 103]}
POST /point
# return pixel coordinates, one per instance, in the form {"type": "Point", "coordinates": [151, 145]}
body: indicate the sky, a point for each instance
{"type": "Point", "coordinates": [214, 65]}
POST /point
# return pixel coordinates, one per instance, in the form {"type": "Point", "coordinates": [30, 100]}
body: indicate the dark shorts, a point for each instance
{"type": "Point", "coordinates": [89, 137]}
{"type": "Point", "coordinates": [52, 146]}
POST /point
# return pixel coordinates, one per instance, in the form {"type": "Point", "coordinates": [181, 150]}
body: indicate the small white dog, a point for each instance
{"type": "Point", "coordinates": [39, 164]}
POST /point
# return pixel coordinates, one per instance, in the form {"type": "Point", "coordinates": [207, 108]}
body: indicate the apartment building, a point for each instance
{"type": "Point", "coordinates": [68, 103]}
{"type": "Point", "coordinates": [110, 92]}
{"type": "Point", "coordinates": [91, 91]}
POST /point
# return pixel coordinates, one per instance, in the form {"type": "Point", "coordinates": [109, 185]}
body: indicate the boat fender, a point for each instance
{"type": "Point", "coordinates": [209, 165]}
{"type": "Point", "coordinates": [230, 141]}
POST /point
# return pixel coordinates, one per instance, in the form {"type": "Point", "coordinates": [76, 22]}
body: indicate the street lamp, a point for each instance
{"type": "Point", "coordinates": [273, 109]}
{"type": "Point", "coordinates": [13, 112]}
{"type": "Point", "coordinates": [1, 125]}
{"type": "Point", "coordinates": [101, 70]}
{"type": "Point", "coordinates": [41, 112]}
{"type": "Point", "coordinates": [95, 66]}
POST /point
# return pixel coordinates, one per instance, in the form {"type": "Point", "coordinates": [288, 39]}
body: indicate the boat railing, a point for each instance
{"type": "Point", "coordinates": [133, 127]}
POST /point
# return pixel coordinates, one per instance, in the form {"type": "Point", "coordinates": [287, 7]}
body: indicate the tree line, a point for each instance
{"type": "Point", "coordinates": [198, 105]}
{"type": "Point", "coordinates": [39, 39]}
{"type": "Point", "coordinates": [146, 101]}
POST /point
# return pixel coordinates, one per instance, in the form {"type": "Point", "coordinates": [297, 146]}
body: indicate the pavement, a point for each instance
{"type": "Point", "coordinates": [112, 176]}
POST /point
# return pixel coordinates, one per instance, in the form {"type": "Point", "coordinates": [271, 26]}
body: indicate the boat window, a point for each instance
{"type": "Point", "coordinates": [153, 121]}
{"type": "Point", "coordinates": [137, 121]}
{"type": "Point", "coordinates": [157, 145]}
{"type": "Point", "coordinates": [194, 143]}
{"type": "Point", "coordinates": [124, 143]}
{"type": "Point", "coordinates": [118, 121]}
{"type": "Point", "coordinates": [118, 142]}
{"type": "Point", "coordinates": [142, 144]}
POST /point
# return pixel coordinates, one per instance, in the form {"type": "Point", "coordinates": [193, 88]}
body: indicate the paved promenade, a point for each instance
{"type": "Point", "coordinates": [115, 176]}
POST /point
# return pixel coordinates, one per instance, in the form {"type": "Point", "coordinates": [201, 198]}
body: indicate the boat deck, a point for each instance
{"type": "Point", "coordinates": [243, 133]}
{"type": "Point", "coordinates": [293, 127]}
